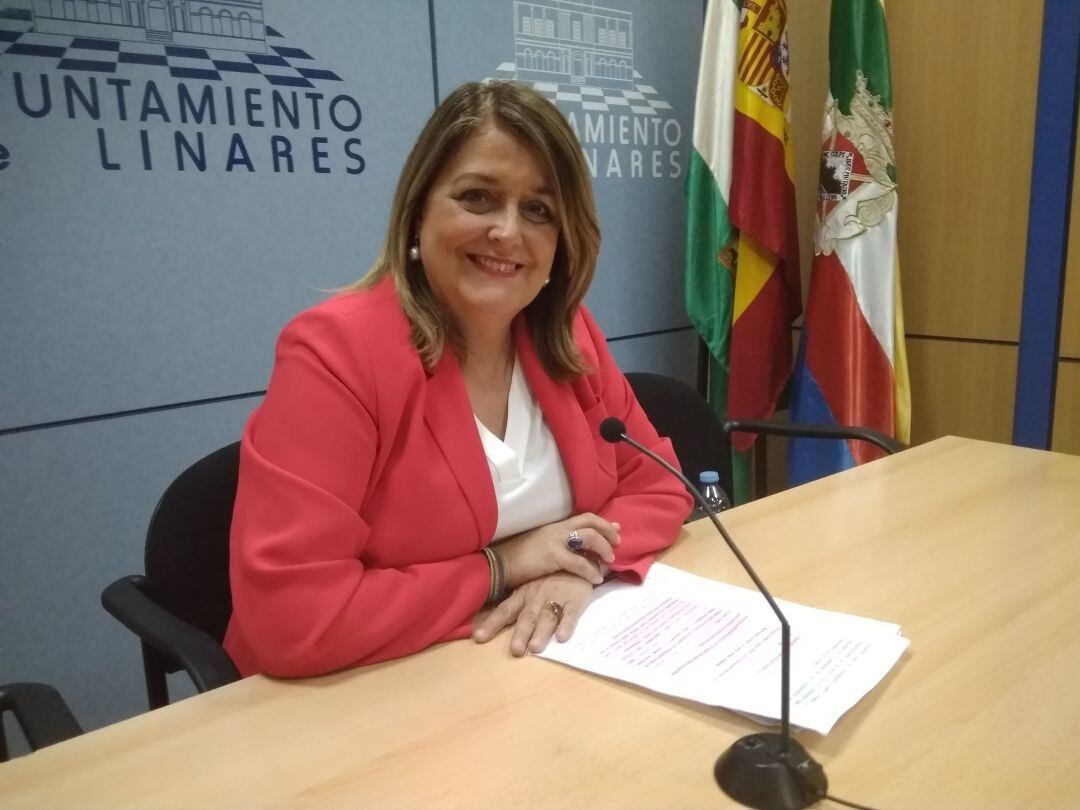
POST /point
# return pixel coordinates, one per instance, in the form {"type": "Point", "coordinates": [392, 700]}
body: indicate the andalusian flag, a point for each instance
{"type": "Point", "coordinates": [852, 365]}
{"type": "Point", "coordinates": [762, 208]}
{"type": "Point", "coordinates": [710, 237]}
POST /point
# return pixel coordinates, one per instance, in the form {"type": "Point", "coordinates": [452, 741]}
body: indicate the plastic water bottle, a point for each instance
{"type": "Point", "coordinates": [709, 484]}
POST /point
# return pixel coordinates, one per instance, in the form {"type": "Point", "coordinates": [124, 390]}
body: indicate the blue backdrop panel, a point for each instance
{"type": "Point", "coordinates": [172, 191]}
{"type": "Point", "coordinates": [673, 353]}
{"type": "Point", "coordinates": [168, 205]}
{"type": "Point", "coordinates": [76, 503]}
{"type": "Point", "coordinates": [624, 74]}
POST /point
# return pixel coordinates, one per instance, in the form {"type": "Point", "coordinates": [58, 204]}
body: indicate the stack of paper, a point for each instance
{"type": "Point", "coordinates": [695, 638]}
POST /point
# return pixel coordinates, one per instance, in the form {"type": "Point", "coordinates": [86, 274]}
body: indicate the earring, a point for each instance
{"type": "Point", "coordinates": [414, 251]}
{"type": "Point", "coordinates": [547, 281]}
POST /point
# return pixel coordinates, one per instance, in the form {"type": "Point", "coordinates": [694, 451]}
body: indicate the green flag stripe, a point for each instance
{"type": "Point", "coordinates": [858, 40]}
{"type": "Point", "coordinates": [709, 286]}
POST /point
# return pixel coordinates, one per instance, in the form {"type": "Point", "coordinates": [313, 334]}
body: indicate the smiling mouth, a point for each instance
{"type": "Point", "coordinates": [500, 266]}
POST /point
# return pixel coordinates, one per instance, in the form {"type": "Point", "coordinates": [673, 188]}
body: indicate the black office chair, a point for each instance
{"type": "Point", "coordinates": [703, 442]}
{"type": "Point", "coordinates": [679, 412]}
{"type": "Point", "coordinates": [41, 713]}
{"type": "Point", "coordinates": [181, 607]}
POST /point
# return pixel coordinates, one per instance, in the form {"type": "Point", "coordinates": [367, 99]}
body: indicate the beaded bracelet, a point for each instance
{"type": "Point", "coordinates": [497, 583]}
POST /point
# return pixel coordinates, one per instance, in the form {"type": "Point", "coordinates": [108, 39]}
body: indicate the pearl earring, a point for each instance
{"type": "Point", "coordinates": [414, 251]}
{"type": "Point", "coordinates": [547, 281]}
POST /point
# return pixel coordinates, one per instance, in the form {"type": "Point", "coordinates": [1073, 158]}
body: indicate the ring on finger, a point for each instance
{"type": "Point", "coordinates": [556, 609]}
{"type": "Point", "coordinates": [575, 542]}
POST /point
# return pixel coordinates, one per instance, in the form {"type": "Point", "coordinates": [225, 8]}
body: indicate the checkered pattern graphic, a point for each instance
{"type": "Point", "coordinates": [642, 100]}
{"type": "Point", "coordinates": [281, 66]}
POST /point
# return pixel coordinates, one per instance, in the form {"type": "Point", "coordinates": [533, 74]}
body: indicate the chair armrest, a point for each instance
{"type": "Point", "coordinates": [809, 431]}
{"type": "Point", "coordinates": [41, 712]}
{"type": "Point", "coordinates": [201, 656]}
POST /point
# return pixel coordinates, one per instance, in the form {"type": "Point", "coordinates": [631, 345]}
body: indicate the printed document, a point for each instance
{"type": "Point", "coordinates": [680, 634]}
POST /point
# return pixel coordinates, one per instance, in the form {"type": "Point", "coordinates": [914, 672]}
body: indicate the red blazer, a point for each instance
{"type": "Point", "coordinates": [365, 493]}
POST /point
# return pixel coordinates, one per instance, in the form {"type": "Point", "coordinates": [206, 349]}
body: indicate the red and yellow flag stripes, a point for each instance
{"type": "Point", "coordinates": [762, 207]}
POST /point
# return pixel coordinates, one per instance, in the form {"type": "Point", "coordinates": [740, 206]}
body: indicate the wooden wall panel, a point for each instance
{"type": "Point", "coordinates": [1067, 409]}
{"type": "Point", "coordinates": [808, 35]}
{"type": "Point", "coordinates": [965, 118]}
{"type": "Point", "coordinates": [1070, 311]}
{"type": "Point", "coordinates": [776, 465]}
{"type": "Point", "coordinates": [963, 389]}
{"type": "Point", "coordinates": [965, 75]}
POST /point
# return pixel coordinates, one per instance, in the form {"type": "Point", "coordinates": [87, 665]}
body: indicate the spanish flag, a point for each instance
{"type": "Point", "coordinates": [767, 295]}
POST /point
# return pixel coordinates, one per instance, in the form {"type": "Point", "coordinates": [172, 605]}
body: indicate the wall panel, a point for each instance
{"type": "Point", "coordinates": [964, 117]}
{"type": "Point", "coordinates": [671, 353]}
{"type": "Point", "coordinates": [636, 133]}
{"type": "Point", "coordinates": [808, 32]}
{"type": "Point", "coordinates": [965, 75]}
{"type": "Point", "coordinates": [131, 282]}
{"type": "Point", "coordinates": [962, 389]}
{"type": "Point", "coordinates": [1070, 311]}
{"type": "Point", "coordinates": [1067, 409]}
{"type": "Point", "coordinates": [1066, 430]}
{"type": "Point", "coordinates": [1070, 316]}
{"type": "Point", "coordinates": [127, 257]}
{"type": "Point", "coordinates": [76, 502]}
{"type": "Point", "coordinates": [963, 184]}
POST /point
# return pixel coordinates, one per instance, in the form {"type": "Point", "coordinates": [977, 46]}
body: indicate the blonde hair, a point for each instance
{"type": "Point", "coordinates": [528, 116]}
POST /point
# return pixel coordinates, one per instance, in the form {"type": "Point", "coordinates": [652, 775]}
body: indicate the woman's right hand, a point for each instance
{"type": "Point", "coordinates": [544, 550]}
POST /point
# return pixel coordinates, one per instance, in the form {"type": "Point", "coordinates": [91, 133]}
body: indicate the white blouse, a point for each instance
{"type": "Point", "coordinates": [531, 485]}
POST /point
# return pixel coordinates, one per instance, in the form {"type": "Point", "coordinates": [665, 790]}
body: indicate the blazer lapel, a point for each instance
{"type": "Point", "coordinates": [449, 416]}
{"type": "Point", "coordinates": [566, 415]}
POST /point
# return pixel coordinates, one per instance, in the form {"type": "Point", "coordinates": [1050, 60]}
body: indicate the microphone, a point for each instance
{"type": "Point", "coordinates": [766, 771]}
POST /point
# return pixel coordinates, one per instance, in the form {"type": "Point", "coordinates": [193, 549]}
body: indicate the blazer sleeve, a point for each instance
{"type": "Point", "coordinates": [648, 502]}
{"type": "Point", "coordinates": [304, 603]}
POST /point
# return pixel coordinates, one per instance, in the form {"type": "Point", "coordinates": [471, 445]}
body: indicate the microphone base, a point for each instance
{"type": "Point", "coordinates": [755, 773]}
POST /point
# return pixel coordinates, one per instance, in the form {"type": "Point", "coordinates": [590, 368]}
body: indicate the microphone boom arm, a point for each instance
{"type": "Point", "coordinates": [785, 628]}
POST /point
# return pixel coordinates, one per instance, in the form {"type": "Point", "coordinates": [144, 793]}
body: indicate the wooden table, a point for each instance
{"type": "Point", "coordinates": [973, 548]}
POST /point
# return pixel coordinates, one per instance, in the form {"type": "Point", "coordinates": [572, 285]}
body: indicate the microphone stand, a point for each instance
{"type": "Point", "coordinates": [765, 770]}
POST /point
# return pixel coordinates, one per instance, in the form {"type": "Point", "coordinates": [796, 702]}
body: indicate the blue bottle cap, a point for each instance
{"type": "Point", "coordinates": [709, 477]}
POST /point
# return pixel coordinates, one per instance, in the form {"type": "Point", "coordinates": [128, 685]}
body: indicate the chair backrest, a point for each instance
{"type": "Point", "coordinates": [40, 712]}
{"type": "Point", "coordinates": [682, 414]}
{"type": "Point", "coordinates": [187, 542]}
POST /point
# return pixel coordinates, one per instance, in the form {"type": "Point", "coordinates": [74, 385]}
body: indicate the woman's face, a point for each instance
{"type": "Point", "coordinates": [489, 229]}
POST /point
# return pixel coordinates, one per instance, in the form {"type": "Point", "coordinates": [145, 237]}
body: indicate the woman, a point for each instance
{"type": "Point", "coordinates": [426, 463]}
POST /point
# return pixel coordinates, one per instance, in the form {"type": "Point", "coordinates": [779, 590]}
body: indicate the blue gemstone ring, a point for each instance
{"type": "Point", "coordinates": [574, 541]}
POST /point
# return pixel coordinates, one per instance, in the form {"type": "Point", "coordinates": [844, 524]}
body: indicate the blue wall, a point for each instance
{"type": "Point", "coordinates": [152, 250]}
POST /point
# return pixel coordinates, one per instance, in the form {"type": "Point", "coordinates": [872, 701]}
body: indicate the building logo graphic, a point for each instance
{"type": "Point", "coordinates": [230, 25]}
{"type": "Point", "coordinates": [581, 57]}
{"type": "Point", "coordinates": [198, 65]}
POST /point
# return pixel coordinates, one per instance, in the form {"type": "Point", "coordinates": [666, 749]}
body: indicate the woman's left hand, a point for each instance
{"type": "Point", "coordinates": [529, 609]}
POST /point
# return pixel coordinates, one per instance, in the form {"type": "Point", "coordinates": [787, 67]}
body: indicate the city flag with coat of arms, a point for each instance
{"type": "Point", "coordinates": [742, 264]}
{"type": "Point", "coordinates": [852, 364]}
